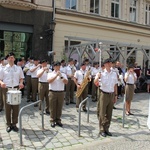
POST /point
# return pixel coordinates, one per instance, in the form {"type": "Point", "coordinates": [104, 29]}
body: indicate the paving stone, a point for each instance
{"type": "Point", "coordinates": [134, 134]}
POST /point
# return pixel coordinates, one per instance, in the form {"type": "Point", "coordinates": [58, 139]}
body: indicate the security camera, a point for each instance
{"type": "Point", "coordinates": [49, 53]}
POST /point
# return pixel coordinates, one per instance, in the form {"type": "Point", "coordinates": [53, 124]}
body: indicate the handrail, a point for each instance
{"type": "Point", "coordinates": [79, 119]}
{"type": "Point", "coordinates": [20, 119]}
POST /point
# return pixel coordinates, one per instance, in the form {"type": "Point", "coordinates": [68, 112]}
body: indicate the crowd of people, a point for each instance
{"type": "Point", "coordinates": [58, 83]}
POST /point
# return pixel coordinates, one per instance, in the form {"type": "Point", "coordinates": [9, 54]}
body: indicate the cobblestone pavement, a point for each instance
{"type": "Point", "coordinates": [134, 136]}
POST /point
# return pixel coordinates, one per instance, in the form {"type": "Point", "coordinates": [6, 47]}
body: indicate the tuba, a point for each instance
{"type": "Point", "coordinates": [83, 84]}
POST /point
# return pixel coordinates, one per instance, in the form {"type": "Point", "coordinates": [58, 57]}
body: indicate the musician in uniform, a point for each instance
{"type": "Point", "coordinates": [78, 79]}
{"type": "Point", "coordinates": [2, 65]}
{"type": "Point", "coordinates": [130, 79]}
{"type": "Point", "coordinates": [34, 79]}
{"type": "Point", "coordinates": [57, 81]}
{"type": "Point", "coordinates": [26, 70]}
{"type": "Point", "coordinates": [63, 66]}
{"type": "Point", "coordinates": [43, 84]}
{"type": "Point", "coordinates": [94, 71]}
{"type": "Point", "coordinates": [107, 97]}
{"type": "Point", "coordinates": [70, 86]}
{"type": "Point", "coordinates": [11, 77]}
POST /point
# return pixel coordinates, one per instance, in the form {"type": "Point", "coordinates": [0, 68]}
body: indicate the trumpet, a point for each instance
{"type": "Point", "coordinates": [60, 75]}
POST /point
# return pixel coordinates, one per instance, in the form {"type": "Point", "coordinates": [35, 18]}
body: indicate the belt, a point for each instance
{"type": "Point", "coordinates": [107, 92]}
{"type": "Point", "coordinates": [14, 86]}
{"type": "Point", "coordinates": [69, 78]}
{"type": "Point", "coordinates": [44, 82]}
{"type": "Point", "coordinates": [55, 91]}
{"type": "Point", "coordinates": [129, 84]}
{"type": "Point", "coordinates": [28, 75]}
{"type": "Point", "coordinates": [34, 78]}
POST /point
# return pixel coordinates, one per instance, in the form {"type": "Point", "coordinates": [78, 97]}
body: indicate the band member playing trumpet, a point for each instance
{"type": "Point", "coordinates": [57, 81]}
{"type": "Point", "coordinates": [11, 77]}
{"type": "Point", "coordinates": [107, 97]}
{"type": "Point", "coordinates": [79, 77]}
{"type": "Point", "coordinates": [34, 79]}
{"type": "Point", "coordinates": [43, 84]}
{"type": "Point", "coordinates": [70, 70]}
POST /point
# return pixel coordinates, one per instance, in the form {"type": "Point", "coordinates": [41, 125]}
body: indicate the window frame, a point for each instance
{"type": "Point", "coordinates": [133, 7]}
{"type": "Point", "coordinates": [70, 2]}
{"type": "Point", "coordinates": [119, 11]}
{"type": "Point", "coordinates": [99, 8]}
{"type": "Point", "coordinates": [147, 19]}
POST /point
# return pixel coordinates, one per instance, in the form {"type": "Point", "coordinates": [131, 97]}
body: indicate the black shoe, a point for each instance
{"type": "Point", "coordinates": [53, 125]}
{"type": "Point", "coordinates": [108, 133]}
{"type": "Point", "coordinates": [131, 113]}
{"type": "Point", "coordinates": [67, 103]}
{"type": "Point", "coordinates": [14, 128]}
{"type": "Point", "coordinates": [1, 110]}
{"type": "Point", "coordinates": [28, 100]}
{"type": "Point", "coordinates": [36, 105]}
{"type": "Point", "coordinates": [8, 129]}
{"type": "Point", "coordinates": [103, 134]}
{"type": "Point", "coordinates": [59, 124]}
{"type": "Point", "coordinates": [72, 103]}
{"type": "Point", "coordinates": [47, 112]}
{"type": "Point", "coordinates": [114, 107]}
{"type": "Point", "coordinates": [94, 100]}
{"type": "Point", "coordinates": [84, 109]}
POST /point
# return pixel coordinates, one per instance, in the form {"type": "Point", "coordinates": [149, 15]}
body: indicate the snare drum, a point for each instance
{"type": "Point", "coordinates": [13, 97]}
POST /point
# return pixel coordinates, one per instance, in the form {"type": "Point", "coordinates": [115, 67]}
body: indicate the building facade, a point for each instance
{"type": "Point", "coordinates": [120, 21]}
{"type": "Point", "coordinates": [23, 27]}
{"type": "Point", "coordinates": [125, 21]}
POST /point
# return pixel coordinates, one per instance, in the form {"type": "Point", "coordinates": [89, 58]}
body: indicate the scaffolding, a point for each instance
{"type": "Point", "coordinates": [112, 48]}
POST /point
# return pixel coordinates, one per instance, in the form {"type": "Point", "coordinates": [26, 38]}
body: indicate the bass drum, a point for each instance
{"type": "Point", "coordinates": [13, 97]}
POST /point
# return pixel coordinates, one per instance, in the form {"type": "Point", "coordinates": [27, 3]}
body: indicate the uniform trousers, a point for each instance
{"type": "Point", "coordinates": [1, 99]}
{"type": "Point", "coordinates": [70, 86]}
{"type": "Point", "coordinates": [105, 111]}
{"type": "Point", "coordinates": [56, 100]}
{"type": "Point", "coordinates": [43, 93]}
{"type": "Point", "coordinates": [82, 97]}
{"type": "Point", "coordinates": [29, 86]}
{"type": "Point", "coordinates": [11, 111]}
{"type": "Point", "coordinates": [34, 82]}
{"type": "Point", "coordinates": [94, 90]}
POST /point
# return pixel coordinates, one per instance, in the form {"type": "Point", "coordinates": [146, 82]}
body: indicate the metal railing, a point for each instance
{"type": "Point", "coordinates": [20, 117]}
{"type": "Point", "coordinates": [79, 119]}
{"type": "Point", "coordinates": [124, 102]}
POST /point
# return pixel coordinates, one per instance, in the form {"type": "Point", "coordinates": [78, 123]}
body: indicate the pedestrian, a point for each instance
{"type": "Point", "coordinates": [57, 81]}
{"type": "Point", "coordinates": [107, 97]}
{"type": "Point", "coordinates": [130, 79]}
{"type": "Point", "coordinates": [11, 77]}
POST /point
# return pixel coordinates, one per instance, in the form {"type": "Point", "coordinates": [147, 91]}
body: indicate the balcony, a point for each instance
{"type": "Point", "coordinates": [19, 4]}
